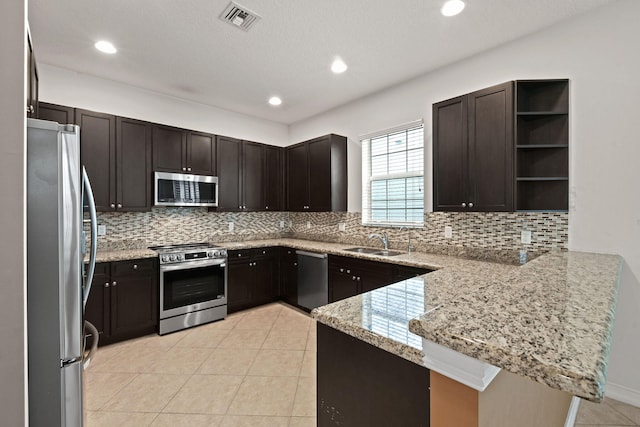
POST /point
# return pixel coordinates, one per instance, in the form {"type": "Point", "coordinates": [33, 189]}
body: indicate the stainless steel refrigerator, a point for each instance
{"type": "Point", "coordinates": [57, 289]}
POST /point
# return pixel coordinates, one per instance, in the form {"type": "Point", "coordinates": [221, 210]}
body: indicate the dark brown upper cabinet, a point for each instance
{"type": "Point", "coordinates": [248, 176]}
{"type": "Point", "coordinates": [56, 113]}
{"type": "Point", "coordinates": [542, 145]}
{"type": "Point", "coordinates": [134, 177]}
{"type": "Point", "coordinates": [182, 151]}
{"type": "Point", "coordinates": [317, 175]}
{"type": "Point", "coordinates": [473, 151]}
{"type": "Point", "coordinates": [98, 154]}
{"type": "Point", "coordinates": [116, 153]}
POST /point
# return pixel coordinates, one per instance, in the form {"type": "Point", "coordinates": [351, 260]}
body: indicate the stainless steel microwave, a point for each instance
{"type": "Point", "coordinates": [179, 189]}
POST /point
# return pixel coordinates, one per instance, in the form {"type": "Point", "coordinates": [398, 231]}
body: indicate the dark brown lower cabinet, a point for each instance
{"type": "Point", "coordinates": [350, 276]}
{"type": "Point", "coordinates": [123, 302]}
{"type": "Point", "coordinates": [289, 276]}
{"type": "Point", "coordinates": [362, 385]}
{"type": "Point", "coordinates": [253, 278]}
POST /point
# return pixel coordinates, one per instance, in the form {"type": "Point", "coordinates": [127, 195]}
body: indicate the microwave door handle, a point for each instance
{"type": "Point", "coordinates": [88, 194]}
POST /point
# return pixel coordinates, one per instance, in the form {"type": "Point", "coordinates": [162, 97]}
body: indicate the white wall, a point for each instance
{"type": "Point", "coordinates": [12, 215]}
{"type": "Point", "coordinates": [599, 53]}
{"type": "Point", "coordinates": [65, 87]}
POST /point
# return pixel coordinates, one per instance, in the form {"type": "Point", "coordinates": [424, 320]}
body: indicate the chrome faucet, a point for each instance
{"type": "Point", "coordinates": [408, 230]}
{"type": "Point", "coordinates": [383, 238]}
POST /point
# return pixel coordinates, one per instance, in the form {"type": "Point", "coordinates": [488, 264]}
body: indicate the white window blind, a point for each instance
{"type": "Point", "coordinates": [393, 176]}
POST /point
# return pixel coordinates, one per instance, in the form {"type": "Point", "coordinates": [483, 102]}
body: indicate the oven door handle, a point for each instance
{"type": "Point", "coordinates": [189, 265]}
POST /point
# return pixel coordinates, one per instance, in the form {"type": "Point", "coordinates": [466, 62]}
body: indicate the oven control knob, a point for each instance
{"type": "Point", "coordinates": [210, 254]}
{"type": "Point", "coordinates": [172, 257]}
{"type": "Point", "coordinates": [223, 252]}
{"type": "Point", "coordinates": [180, 257]}
{"type": "Point", "coordinates": [165, 258]}
{"type": "Point", "coordinates": [216, 253]}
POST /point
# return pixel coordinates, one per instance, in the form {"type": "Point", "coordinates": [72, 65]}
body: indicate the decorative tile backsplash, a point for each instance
{"type": "Point", "coordinates": [480, 235]}
{"type": "Point", "coordinates": [489, 236]}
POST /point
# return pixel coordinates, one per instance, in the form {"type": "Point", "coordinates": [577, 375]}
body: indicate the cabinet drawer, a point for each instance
{"type": "Point", "coordinates": [123, 268]}
{"type": "Point", "coordinates": [240, 254]}
{"type": "Point", "coordinates": [102, 268]}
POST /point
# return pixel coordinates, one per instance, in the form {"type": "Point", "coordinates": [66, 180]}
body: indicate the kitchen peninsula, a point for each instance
{"type": "Point", "coordinates": [547, 322]}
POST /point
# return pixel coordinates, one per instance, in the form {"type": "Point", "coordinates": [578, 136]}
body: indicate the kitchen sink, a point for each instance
{"type": "Point", "coordinates": [363, 250]}
{"type": "Point", "coordinates": [373, 251]}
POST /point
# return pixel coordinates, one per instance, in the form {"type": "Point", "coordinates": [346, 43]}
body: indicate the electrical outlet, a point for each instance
{"type": "Point", "coordinates": [448, 232]}
{"type": "Point", "coordinates": [308, 225]}
{"type": "Point", "coordinates": [281, 224]}
{"type": "Point", "coordinates": [342, 226]}
{"type": "Point", "coordinates": [525, 237]}
{"type": "Point", "coordinates": [102, 230]}
{"type": "Point", "coordinates": [232, 226]}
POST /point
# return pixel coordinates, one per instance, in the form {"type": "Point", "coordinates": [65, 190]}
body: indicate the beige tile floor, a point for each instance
{"type": "Point", "coordinates": [255, 368]}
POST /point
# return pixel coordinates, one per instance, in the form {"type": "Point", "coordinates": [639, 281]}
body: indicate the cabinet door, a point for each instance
{"type": "Point", "coordinates": [240, 276]}
{"type": "Point", "coordinates": [297, 178]}
{"type": "Point", "coordinates": [374, 275]}
{"type": "Point", "coordinates": [134, 181]}
{"type": "Point", "coordinates": [342, 284]}
{"type": "Point", "coordinates": [450, 155]}
{"type": "Point", "coordinates": [229, 163]}
{"type": "Point", "coordinates": [265, 278]}
{"type": "Point", "coordinates": [134, 298]}
{"type": "Point", "coordinates": [98, 153]}
{"type": "Point", "coordinates": [201, 153]}
{"type": "Point", "coordinates": [56, 113]}
{"type": "Point", "coordinates": [289, 276]}
{"type": "Point", "coordinates": [273, 169]}
{"type": "Point", "coordinates": [320, 174]}
{"type": "Point", "coordinates": [169, 149]}
{"type": "Point", "coordinates": [491, 148]}
{"type": "Point", "coordinates": [97, 308]}
{"type": "Point", "coordinates": [253, 176]}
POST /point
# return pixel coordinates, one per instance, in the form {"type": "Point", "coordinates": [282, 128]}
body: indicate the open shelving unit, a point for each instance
{"type": "Point", "coordinates": [542, 145]}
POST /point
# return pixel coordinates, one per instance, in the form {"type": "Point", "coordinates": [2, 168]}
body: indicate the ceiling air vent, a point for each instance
{"type": "Point", "coordinates": [239, 16]}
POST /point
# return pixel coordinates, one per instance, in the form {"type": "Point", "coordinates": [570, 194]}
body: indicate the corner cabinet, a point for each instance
{"type": "Point", "coordinates": [473, 151]}
{"type": "Point", "coordinates": [317, 175]}
{"type": "Point", "coordinates": [542, 145]}
{"type": "Point", "coordinates": [249, 176]}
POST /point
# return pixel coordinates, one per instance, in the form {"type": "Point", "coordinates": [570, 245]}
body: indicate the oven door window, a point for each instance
{"type": "Point", "coordinates": [192, 286]}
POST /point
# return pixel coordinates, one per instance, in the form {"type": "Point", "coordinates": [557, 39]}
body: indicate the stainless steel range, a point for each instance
{"type": "Point", "coordinates": [193, 285]}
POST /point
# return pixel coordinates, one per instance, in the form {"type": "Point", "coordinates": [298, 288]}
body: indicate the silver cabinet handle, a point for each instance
{"type": "Point", "coordinates": [106, 285]}
{"type": "Point", "coordinates": [114, 283]}
{"type": "Point", "coordinates": [135, 266]}
{"type": "Point", "coordinates": [112, 205]}
{"type": "Point", "coordinates": [119, 205]}
{"type": "Point", "coordinates": [348, 271]}
{"type": "Point", "coordinates": [342, 270]}
{"type": "Point", "coordinates": [470, 204]}
{"type": "Point", "coordinates": [358, 279]}
{"type": "Point", "coordinates": [353, 277]}
{"type": "Point", "coordinates": [264, 252]}
{"type": "Point", "coordinates": [464, 205]}
{"type": "Point", "coordinates": [184, 169]}
{"type": "Point", "coordinates": [189, 169]}
{"type": "Point", "coordinates": [295, 264]}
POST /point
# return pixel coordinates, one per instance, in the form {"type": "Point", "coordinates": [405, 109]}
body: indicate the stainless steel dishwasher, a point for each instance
{"type": "Point", "coordinates": [313, 279]}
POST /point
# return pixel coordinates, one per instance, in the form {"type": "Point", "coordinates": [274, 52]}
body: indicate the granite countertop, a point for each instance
{"type": "Point", "coordinates": [550, 320]}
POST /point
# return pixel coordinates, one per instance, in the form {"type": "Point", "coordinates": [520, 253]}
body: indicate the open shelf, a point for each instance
{"type": "Point", "coordinates": [541, 129]}
{"type": "Point", "coordinates": [542, 145]}
{"type": "Point", "coordinates": [543, 96]}
{"type": "Point", "coordinates": [543, 162]}
{"type": "Point", "coordinates": [548, 195]}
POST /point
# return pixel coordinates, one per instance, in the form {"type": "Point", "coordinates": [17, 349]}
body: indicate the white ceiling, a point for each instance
{"type": "Point", "coordinates": [181, 48]}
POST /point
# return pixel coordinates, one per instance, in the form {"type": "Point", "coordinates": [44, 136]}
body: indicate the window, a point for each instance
{"type": "Point", "coordinates": [393, 176]}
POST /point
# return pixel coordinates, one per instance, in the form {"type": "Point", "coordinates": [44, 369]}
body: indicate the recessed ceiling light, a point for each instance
{"type": "Point", "coordinates": [452, 7]}
{"type": "Point", "coordinates": [274, 100]}
{"type": "Point", "coordinates": [338, 66]}
{"type": "Point", "coordinates": [105, 47]}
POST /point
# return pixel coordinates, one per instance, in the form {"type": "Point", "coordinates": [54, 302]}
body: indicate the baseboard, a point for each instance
{"type": "Point", "coordinates": [622, 394]}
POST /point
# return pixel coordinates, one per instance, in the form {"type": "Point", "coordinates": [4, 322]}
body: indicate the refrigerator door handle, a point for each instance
{"type": "Point", "coordinates": [88, 194]}
{"type": "Point", "coordinates": [86, 359]}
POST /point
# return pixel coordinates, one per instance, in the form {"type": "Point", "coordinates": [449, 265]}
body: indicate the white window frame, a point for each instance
{"type": "Point", "coordinates": [367, 178]}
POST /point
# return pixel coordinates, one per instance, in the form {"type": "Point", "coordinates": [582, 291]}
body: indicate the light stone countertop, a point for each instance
{"type": "Point", "coordinates": [550, 320]}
